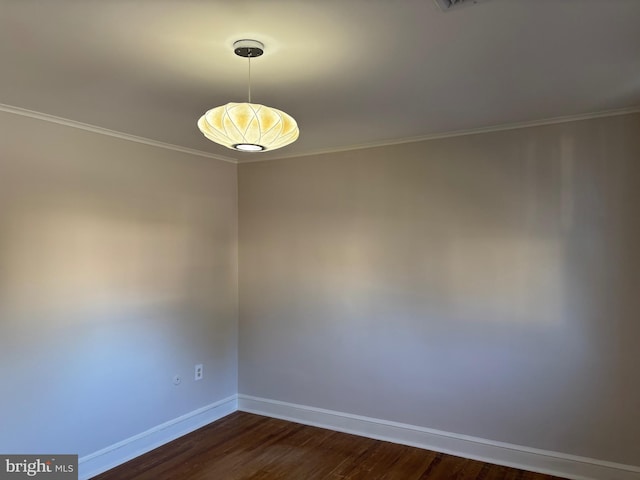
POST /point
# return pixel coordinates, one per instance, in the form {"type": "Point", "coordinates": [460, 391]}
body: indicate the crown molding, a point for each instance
{"type": "Point", "coordinates": [458, 133]}
{"type": "Point", "coordinates": [110, 133]}
{"type": "Point", "coordinates": [384, 143]}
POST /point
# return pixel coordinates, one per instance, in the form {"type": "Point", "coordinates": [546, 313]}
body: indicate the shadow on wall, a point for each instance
{"type": "Point", "coordinates": [506, 280]}
{"type": "Point", "coordinates": [100, 304]}
{"type": "Point", "coordinates": [61, 260]}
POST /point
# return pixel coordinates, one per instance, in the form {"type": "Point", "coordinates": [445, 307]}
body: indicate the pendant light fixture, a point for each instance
{"type": "Point", "coordinates": [248, 127]}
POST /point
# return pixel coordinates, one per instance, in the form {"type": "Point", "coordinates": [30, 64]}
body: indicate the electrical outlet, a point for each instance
{"type": "Point", "coordinates": [198, 374]}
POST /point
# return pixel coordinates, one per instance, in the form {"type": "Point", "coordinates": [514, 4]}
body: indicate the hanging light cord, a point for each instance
{"type": "Point", "coordinates": [249, 57]}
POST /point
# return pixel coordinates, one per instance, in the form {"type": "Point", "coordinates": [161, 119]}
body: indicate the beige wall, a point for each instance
{"type": "Point", "coordinates": [118, 270]}
{"type": "Point", "coordinates": [485, 285]}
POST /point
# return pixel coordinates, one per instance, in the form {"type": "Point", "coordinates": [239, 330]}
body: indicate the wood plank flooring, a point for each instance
{"type": "Point", "coordinates": [243, 446]}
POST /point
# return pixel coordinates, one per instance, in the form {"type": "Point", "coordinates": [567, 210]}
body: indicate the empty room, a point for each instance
{"type": "Point", "coordinates": [304, 239]}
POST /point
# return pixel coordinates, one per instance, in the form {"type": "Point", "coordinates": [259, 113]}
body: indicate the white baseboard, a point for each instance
{"type": "Point", "coordinates": [121, 452]}
{"type": "Point", "coordinates": [543, 461]}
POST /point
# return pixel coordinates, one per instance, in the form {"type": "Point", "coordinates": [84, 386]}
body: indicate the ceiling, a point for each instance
{"type": "Point", "coordinates": [352, 72]}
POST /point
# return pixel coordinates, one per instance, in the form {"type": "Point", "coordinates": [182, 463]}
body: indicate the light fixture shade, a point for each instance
{"type": "Point", "coordinates": [248, 127]}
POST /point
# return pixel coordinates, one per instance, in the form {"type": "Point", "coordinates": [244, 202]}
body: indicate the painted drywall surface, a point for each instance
{"type": "Point", "coordinates": [118, 270]}
{"type": "Point", "coordinates": [484, 285]}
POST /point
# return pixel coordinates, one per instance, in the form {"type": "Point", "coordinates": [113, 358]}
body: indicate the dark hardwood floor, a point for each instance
{"type": "Point", "coordinates": [244, 446]}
